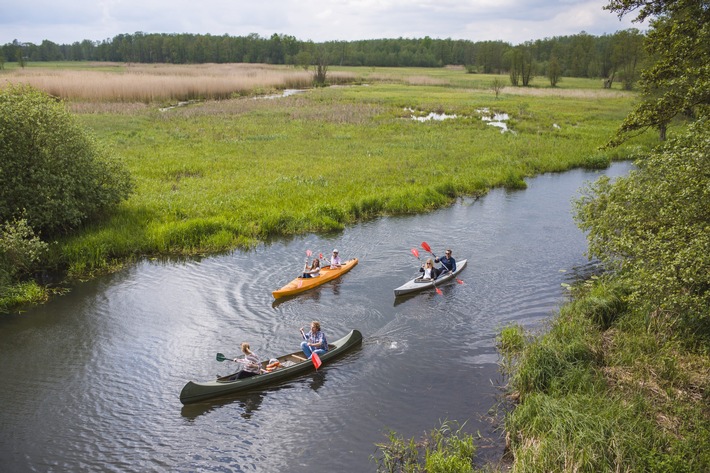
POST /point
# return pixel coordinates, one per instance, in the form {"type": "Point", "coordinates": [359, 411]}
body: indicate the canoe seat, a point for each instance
{"type": "Point", "coordinates": [299, 357]}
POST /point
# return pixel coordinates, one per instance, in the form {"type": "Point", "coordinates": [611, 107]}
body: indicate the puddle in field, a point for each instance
{"type": "Point", "coordinates": [285, 93]}
{"type": "Point", "coordinates": [495, 119]}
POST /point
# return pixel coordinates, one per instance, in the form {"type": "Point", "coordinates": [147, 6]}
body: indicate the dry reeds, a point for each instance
{"type": "Point", "coordinates": [168, 83]}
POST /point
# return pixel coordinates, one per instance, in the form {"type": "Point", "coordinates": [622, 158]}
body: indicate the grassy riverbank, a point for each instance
{"type": "Point", "coordinates": [216, 175]}
{"type": "Point", "coordinates": [600, 396]}
{"type": "Point", "coordinates": [221, 174]}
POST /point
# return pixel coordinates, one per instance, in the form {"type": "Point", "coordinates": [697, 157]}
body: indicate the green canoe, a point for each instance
{"type": "Point", "coordinates": [293, 364]}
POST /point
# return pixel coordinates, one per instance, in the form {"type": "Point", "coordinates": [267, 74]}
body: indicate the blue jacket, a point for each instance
{"type": "Point", "coordinates": [448, 263]}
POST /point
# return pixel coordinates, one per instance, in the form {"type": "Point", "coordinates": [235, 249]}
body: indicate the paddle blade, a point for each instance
{"type": "Point", "coordinates": [300, 283]}
{"type": "Point", "coordinates": [415, 253]}
{"type": "Point", "coordinates": [459, 281]}
{"type": "Point", "coordinates": [309, 253]}
{"type": "Point", "coordinates": [316, 360]}
{"type": "Point", "coordinates": [438, 291]}
{"type": "Point", "coordinates": [426, 247]}
{"type": "Point", "coordinates": [221, 357]}
{"type": "Point", "coordinates": [320, 255]}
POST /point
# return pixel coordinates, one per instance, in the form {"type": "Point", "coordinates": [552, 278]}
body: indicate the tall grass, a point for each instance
{"type": "Point", "coordinates": [220, 174]}
{"type": "Point", "coordinates": [166, 83]}
{"type": "Point", "coordinates": [600, 391]}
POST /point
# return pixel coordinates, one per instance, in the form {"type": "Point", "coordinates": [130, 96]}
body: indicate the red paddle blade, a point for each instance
{"type": "Point", "coordinates": [438, 291]}
{"type": "Point", "coordinates": [316, 360]}
{"type": "Point", "coordinates": [426, 246]}
{"type": "Point", "coordinates": [309, 253]}
{"type": "Point", "coordinates": [320, 255]}
{"type": "Point", "coordinates": [415, 252]}
{"type": "Point", "coordinates": [300, 283]}
{"type": "Point", "coordinates": [459, 281]}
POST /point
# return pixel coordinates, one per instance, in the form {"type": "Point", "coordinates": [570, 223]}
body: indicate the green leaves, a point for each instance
{"type": "Point", "coordinates": [51, 171]}
{"type": "Point", "coordinates": [678, 81]}
{"type": "Point", "coordinates": [653, 227]}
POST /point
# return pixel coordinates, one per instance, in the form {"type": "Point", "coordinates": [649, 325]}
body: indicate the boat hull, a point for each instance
{"type": "Point", "coordinates": [418, 284]}
{"type": "Point", "coordinates": [295, 364]}
{"type": "Point", "coordinates": [300, 285]}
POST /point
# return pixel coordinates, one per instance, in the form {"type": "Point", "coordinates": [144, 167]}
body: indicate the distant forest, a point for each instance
{"type": "Point", "coordinates": [610, 57]}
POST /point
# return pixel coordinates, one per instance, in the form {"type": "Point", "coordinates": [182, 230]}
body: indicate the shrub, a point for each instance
{"type": "Point", "coordinates": [51, 171]}
{"type": "Point", "coordinates": [20, 251]}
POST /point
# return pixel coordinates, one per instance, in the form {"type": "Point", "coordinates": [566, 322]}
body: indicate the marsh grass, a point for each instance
{"type": "Point", "coordinates": [19, 295]}
{"type": "Point", "coordinates": [219, 174]}
{"type": "Point", "coordinates": [165, 83]}
{"type": "Point", "coordinates": [216, 175]}
{"type": "Point", "coordinates": [604, 390]}
{"type": "Point", "coordinates": [446, 449]}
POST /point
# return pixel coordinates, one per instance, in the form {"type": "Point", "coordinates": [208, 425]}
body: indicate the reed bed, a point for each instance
{"type": "Point", "coordinates": [168, 83]}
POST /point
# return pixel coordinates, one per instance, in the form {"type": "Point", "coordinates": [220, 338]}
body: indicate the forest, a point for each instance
{"type": "Point", "coordinates": [611, 57]}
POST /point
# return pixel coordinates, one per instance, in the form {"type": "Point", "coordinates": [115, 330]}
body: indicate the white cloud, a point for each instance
{"type": "Point", "coordinates": [514, 21]}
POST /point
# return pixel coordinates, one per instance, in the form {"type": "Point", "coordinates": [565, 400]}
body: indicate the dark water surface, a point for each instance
{"type": "Point", "coordinates": [90, 381]}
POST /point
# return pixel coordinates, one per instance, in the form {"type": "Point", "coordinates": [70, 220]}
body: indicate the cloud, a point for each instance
{"type": "Point", "coordinates": [514, 21]}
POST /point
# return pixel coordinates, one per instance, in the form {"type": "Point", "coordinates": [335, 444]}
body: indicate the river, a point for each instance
{"type": "Point", "coordinates": [91, 379]}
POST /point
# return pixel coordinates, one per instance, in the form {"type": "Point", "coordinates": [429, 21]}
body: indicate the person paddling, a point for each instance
{"type": "Point", "coordinates": [335, 260]}
{"type": "Point", "coordinates": [313, 271]}
{"type": "Point", "coordinates": [251, 363]}
{"type": "Point", "coordinates": [448, 263]}
{"type": "Point", "coordinates": [314, 341]}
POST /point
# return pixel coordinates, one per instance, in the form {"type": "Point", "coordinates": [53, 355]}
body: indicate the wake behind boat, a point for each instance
{"type": "Point", "coordinates": [292, 365]}
{"type": "Point", "coordinates": [419, 284]}
{"type": "Point", "coordinates": [299, 284]}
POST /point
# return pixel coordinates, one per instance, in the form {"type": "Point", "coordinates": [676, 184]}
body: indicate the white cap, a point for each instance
{"type": "Point", "coordinates": [335, 250]}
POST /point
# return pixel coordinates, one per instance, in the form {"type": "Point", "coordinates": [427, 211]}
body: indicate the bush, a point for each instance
{"type": "Point", "coordinates": [444, 450]}
{"type": "Point", "coordinates": [51, 171]}
{"type": "Point", "coordinates": [652, 228]}
{"type": "Point", "coordinates": [20, 251]}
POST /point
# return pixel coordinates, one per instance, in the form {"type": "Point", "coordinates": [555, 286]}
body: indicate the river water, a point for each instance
{"type": "Point", "coordinates": [91, 380]}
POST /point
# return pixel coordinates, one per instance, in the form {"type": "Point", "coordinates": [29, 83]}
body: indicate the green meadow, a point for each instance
{"type": "Point", "coordinates": [222, 174]}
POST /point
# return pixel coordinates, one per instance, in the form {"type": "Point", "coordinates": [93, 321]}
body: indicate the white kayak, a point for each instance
{"type": "Point", "coordinates": [418, 284]}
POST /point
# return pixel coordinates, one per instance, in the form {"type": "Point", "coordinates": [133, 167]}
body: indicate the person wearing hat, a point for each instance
{"type": "Point", "coordinates": [335, 260]}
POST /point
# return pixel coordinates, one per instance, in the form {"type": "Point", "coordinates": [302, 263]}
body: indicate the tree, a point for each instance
{"type": "Point", "coordinates": [678, 81]}
{"type": "Point", "coordinates": [497, 85]}
{"type": "Point", "coordinates": [513, 57]}
{"type": "Point", "coordinates": [554, 71]}
{"type": "Point", "coordinates": [527, 63]}
{"type": "Point", "coordinates": [652, 228]}
{"type": "Point", "coordinates": [628, 53]}
{"type": "Point", "coordinates": [52, 173]}
{"type": "Point", "coordinates": [20, 56]}
{"type": "Point", "coordinates": [320, 66]}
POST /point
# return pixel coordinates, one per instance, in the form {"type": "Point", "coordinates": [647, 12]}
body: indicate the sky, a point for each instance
{"type": "Point", "coordinates": [513, 21]}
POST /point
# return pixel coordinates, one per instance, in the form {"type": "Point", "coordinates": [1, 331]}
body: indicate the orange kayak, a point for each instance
{"type": "Point", "coordinates": [299, 284]}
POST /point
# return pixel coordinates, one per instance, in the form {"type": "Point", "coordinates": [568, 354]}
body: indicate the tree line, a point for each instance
{"type": "Point", "coordinates": [611, 57]}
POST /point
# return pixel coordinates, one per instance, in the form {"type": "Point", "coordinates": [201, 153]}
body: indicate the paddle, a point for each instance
{"type": "Point", "coordinates": [308, 255]}
{"type": "Point", "coordinates": [221, 357]}
{"type": "Point", "coordinates": [426, 247]}
{"type": "Point", "coordinates": [314, 356]}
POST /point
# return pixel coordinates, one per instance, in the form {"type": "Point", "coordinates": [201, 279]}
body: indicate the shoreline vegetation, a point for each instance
{"type": "Point", "coordinates": [221, 174]}
{"type": "Point", "coordinates": [229, 170]}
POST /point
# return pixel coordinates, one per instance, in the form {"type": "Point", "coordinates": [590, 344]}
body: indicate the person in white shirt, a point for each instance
{"type": "Point", "coordinates": [335, 260]}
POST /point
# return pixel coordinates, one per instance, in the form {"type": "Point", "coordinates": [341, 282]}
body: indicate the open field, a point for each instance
{"type": "Point", "coordinates": [219, 174]}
